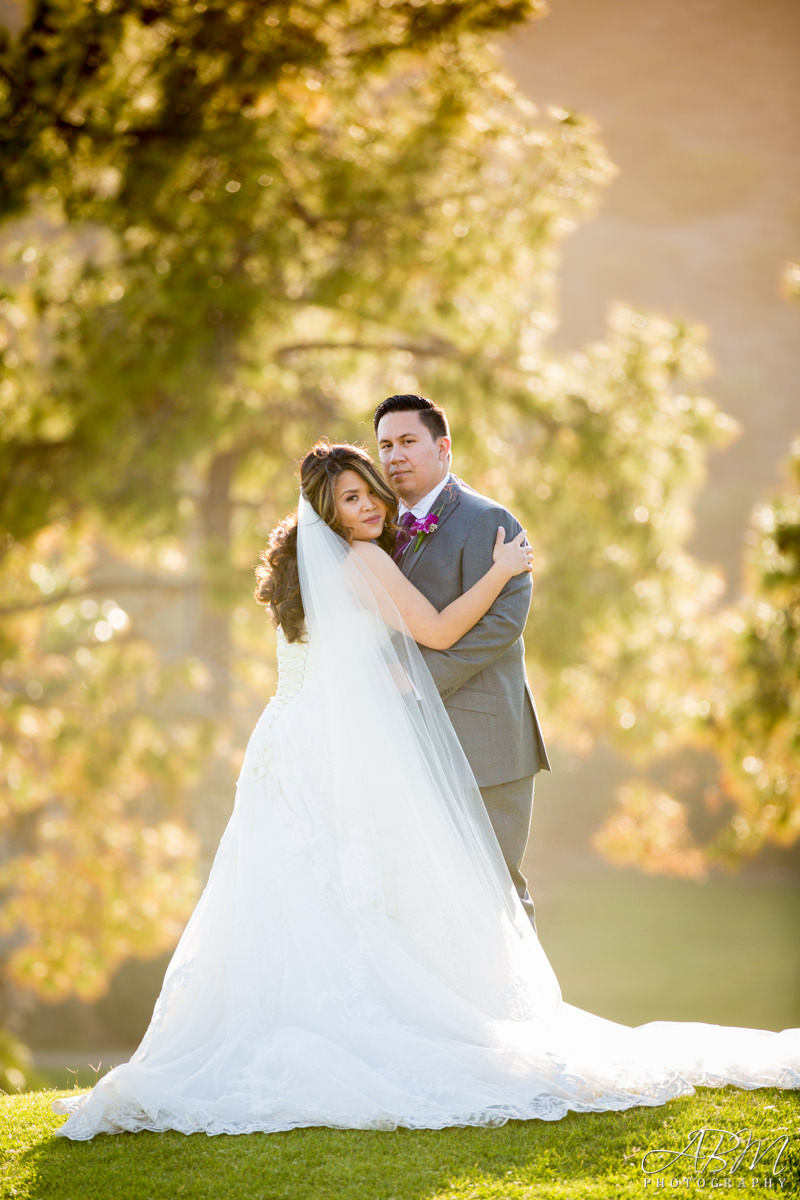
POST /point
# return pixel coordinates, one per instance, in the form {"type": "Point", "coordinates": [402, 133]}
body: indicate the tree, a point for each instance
{"type": "Point", "coordinates": [754, 723]}
{"type": "Point", "coordinates": [741, 708]}
{"type": "Point", "coordinates": [117, 95]}
{"type": "Point", "coordinates": [736, 704]}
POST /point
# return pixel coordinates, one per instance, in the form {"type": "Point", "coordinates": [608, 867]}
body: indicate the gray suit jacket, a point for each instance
{"type": "Point", "coordinates": [481, 679]}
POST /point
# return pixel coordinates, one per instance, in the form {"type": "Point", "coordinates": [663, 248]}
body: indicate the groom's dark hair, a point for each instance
{"type": "Point", "coordinates": [432, 416]}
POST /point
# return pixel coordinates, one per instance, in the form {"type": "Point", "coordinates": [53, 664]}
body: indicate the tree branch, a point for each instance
{"type": "Point", "coordinates": [436, 349]}
{"type": "Point", "coordinates": [141, 584]}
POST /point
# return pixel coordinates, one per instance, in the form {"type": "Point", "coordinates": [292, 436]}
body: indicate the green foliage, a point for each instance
{"type": "Point", "coordinates": [114, 96]}
{"type": "Point", "coordinates": [594, 1155]}
{"type": "Point", "coordinates": [87, 771]}
{"type": "Point", "coordinates": [755, 720]}
{"type": "Point", "coordinates": [343, 233]}
{"type": "Point", "coordinates": [730, 690]}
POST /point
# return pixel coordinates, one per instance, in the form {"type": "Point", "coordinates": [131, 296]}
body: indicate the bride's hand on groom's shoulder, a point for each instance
{"type": "Point", "coordinates": [514, 556]}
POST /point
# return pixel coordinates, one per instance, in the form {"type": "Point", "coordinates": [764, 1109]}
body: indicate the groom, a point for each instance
{"type": "Point", "coordinates": [481, 679]}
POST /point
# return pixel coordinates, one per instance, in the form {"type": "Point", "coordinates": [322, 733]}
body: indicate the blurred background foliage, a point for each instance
{"type": "Point", "coordinates": [230, 228]}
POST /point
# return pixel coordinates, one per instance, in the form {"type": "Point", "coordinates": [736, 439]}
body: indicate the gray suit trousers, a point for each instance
{"type": "Point", "coordinates": [509, 806]}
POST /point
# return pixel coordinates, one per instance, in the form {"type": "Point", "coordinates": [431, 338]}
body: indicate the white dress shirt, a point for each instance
{"type": "Point", "coordinates": [424, 506]}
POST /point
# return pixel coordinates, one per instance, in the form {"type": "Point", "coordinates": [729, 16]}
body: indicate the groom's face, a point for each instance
{"type": "Point", "coordinates": [413, 460]}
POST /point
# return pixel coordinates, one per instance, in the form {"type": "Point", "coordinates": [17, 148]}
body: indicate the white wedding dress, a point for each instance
{"type": "Point", "coordinates": [359, 958]}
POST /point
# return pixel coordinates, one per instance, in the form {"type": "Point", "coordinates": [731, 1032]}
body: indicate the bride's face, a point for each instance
{"type": "Point", "coordinates": [358, 509]}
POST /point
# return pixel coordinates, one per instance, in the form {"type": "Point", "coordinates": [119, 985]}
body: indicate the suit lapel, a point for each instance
{"type": "Point", "coordinates": [446, 503]}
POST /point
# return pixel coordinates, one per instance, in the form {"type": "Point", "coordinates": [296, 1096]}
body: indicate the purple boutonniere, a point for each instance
{"type": "Point", "coordinates": [423, 527]}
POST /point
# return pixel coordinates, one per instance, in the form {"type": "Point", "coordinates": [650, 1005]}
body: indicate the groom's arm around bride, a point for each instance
{"type": "Point", "coordinates": [482, 678]}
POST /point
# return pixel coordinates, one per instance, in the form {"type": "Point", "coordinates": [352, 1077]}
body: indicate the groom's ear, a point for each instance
{"type": "Point", "coordinates": [444, 448]}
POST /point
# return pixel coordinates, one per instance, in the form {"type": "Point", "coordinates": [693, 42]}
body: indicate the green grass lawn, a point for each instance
{"type": "Point", "coordinates": [585, 1155]}
{"type": "Point", "coordinates": [636, 948]}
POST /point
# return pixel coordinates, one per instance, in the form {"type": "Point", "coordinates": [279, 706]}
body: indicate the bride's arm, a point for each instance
{"type": "Point", "coordinates": [440, 630]}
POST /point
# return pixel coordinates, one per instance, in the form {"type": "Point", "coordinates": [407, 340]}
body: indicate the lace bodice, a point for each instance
{"type": "Point", "coordinates": [292, 662]}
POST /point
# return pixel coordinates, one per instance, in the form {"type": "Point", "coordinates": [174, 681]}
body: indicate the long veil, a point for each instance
{"type": "Point", "coordinates": [398, 774]}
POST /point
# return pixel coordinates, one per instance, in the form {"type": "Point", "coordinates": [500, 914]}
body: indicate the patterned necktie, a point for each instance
{"type": "Point", "coordinates": [404, 535]}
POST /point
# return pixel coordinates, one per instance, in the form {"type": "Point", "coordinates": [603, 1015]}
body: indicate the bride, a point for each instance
{"type": "Point", "coordinates": [359, 957]}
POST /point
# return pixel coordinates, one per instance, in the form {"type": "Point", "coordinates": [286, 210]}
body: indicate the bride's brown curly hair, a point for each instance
{"type": "Point", "coordinates": [278, 585]}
